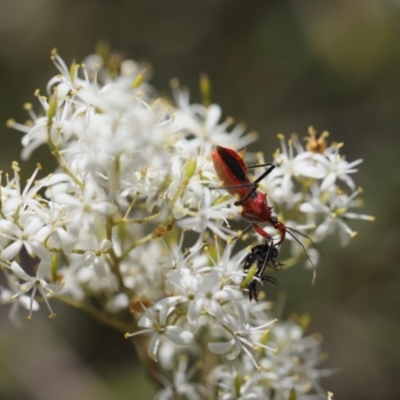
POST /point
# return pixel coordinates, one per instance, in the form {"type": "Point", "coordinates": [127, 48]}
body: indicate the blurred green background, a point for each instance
{"type": "Point", "coordinates": [279, 66]}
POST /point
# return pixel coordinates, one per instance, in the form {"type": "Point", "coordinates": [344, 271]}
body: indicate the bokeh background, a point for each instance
{"type": "Point", "coordinates": [279, 66]}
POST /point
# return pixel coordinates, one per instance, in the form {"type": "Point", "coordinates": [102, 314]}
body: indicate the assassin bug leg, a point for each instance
{"type": "Point", "coordinates": [262, 255]}
{"type": "Point", "coordinates": [255, 183]}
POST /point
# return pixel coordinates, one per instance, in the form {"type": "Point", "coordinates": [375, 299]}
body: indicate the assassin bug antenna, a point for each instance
{"type": "Point", "coordinates": [288, 230]}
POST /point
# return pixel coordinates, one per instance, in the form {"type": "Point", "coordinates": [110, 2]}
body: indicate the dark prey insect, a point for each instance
{"type": "Point", "coordinates": [262, 255]}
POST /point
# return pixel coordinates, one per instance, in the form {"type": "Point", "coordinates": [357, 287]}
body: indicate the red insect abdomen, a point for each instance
{"type": "Point", "coordinates": [231, 171]}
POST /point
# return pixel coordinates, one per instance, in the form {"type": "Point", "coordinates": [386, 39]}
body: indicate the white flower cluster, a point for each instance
{"type": "Point", "coordinates": [133, 189]}
{"type": "Point", "coordinates": [327, 190]}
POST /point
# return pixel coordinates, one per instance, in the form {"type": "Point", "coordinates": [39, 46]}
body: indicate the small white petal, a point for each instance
{"type": "Point", "coordinates": [310, 208]}
{"type": "Point", "coordinates": [322, 230]}
{"type": "Point", "coordinates": [349, 182]}
{"type": "Point", "coordinates": [242, 316]}
{"type": "Point", "coordinates": [216, 310]}
{"type": "Point", "coordinates": [9, 227]}
{"type": "Point", "coordinates": [68, 200]}
{"type": "Point", "coordinates": [153, 346]}
{"type": "Point", "coordinates": [105, 245]}
{"type": "Point", "coordinates": [213, 116]}
{"type": "Point", "coordinates": [33, 227]}
{"type": "Point", "coordinates": [43, 270]}
{"type": "Point", "coordinates": [358, 216]}
{"type": "Point", "coordinates": [54, 287]}
{"type": "Point", "coordinates": [25, 302]}
{"type": "Point", "coordinates": [169, 302]}
{"type": "Point", "coordinates": [99, 268]}
{"type": "Point", "coordinates": [20, 272]}
{"type": "Point", "coordinates": [287, 186]}
{"type": "Point", "coordinates": [221, 347]}
{"type": "Point", "coordinates": [345, 233]}
{"type": "Point", "coordinates": [195, 308]}
{"type": "Point", "coordinates": [179, 335]}
{"type": "Point", "coordinates": [55, 179]}
{"type": "Point", "coordinates": [119, 302]}
{"type": "Point", "coordinates": [235, 351]}
{"type": "Point", "coordinates": [307, 208]}
{"type": "Point", "coordinates": [104, 208]}
{"type": "Point", "coordinates": [11, 251]}
{"type": "Point", "coordinates": [39, 251]}
{"type": "Point", "coordinates": [65, 240]}
{"type": "Point", "coordinates": [89, 258]}
{"type": "Point", "coordinates": [329, 180]}
{"type": "Point", "coordinates": [145, 322]}
{"type": "Point", "coordinates": [309, 171]}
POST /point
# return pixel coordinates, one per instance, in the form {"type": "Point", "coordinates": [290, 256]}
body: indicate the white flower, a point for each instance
{"type": "Point", "coordinates": [156, 324]}
{"type": "Point", "coordinates": [16, 299]}
{"type": "Point", "coordinates": [15, 200]}
{"type": "Point", "coordinates": [181, 385]}
{"type": "Point", "coordinates": [203, 122]}
{"type": "Point", "coordinates": [36, 283]}
{"type": "Point", "coordinates": [208, 216]}
{"type": "Point", "coordinates": [97, 259]}
{"type": "Point", "coordinates": [84, 209]}
{"type": "Point", "coordinates": [241, 334]}
{"type": "Point", "coordinates": [31, 236]}
{"type": "Point", "coordinates": [54, 127]}
{"type": "Point", "coordinates": [229, 266]}
{"type": "Point", "coordinates": [295, 364]}
{"type": "Point", "coordinates": [332, 206]}
{"type": "Point", "coordinates": [337, 168]}
{"type": "Point", "coordinates": [233, 384]}
{"type": "Point", "coordinates": [55, 217]}
{"type": "Point", "coordinates": [118, 303]}
{"type": "Point", "coordinates": [293, 367]}
{"type": "Point", "coordinates": [205, 293]}
{"type": "Point", "coordinates": [290, 166]}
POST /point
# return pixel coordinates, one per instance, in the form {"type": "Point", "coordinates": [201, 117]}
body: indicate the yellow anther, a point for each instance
{"type": "Point", "coordinates": [10, 123]}
{"type": "Point", "coordinates": [174, 83]}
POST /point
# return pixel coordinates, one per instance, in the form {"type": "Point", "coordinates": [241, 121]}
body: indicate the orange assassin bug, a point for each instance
{"type": "Point", "coordinates": [232, 171]}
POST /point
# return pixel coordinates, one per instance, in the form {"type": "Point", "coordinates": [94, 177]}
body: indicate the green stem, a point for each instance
{"type": "Point", "coordinates": [136, 221]}
{"type": "Point", "coordinates": [128, 211]}
{"type": "Point", "coordinates": [136, 244]}
{"type": "Point", "coordinates": [55, 151]}
{"type": "Point", "coordinates": [115, 260]}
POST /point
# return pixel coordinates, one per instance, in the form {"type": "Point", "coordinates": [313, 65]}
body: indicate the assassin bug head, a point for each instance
{"type": "Point", "coordinates": [262, 256]}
